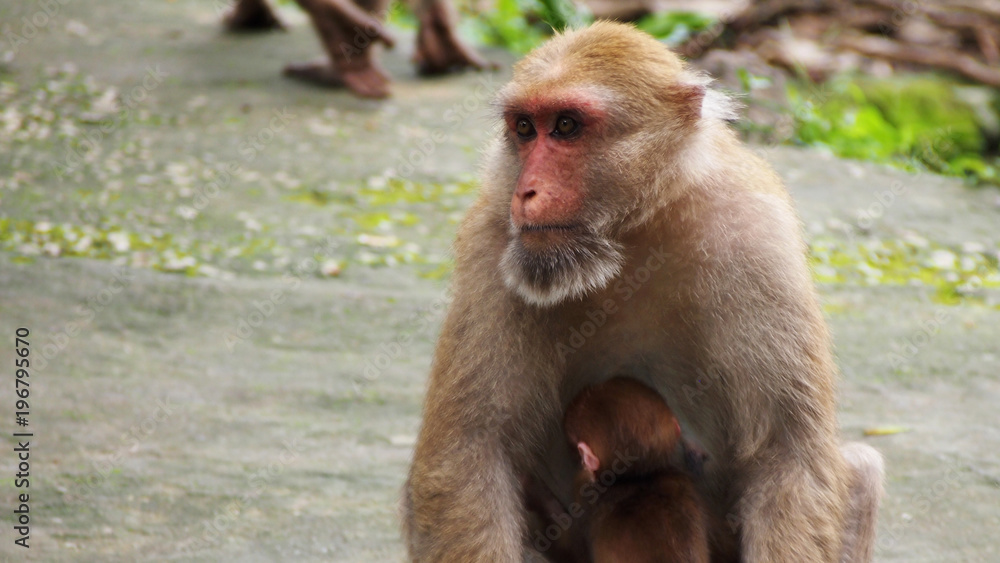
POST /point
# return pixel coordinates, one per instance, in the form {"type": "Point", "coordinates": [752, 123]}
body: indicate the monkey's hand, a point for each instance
{"type": "Point", "coordinates": [570, 546]}
{"type": "Point", "coordinates": [439, 49]}
{"type": "Point", "coordinates": [694, 458]}
{"type": "Point", "coordinates": [539, 499]}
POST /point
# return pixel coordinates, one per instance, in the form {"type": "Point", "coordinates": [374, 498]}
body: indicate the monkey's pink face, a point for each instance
{"type": "Point", "coordinates": [556, 250]}
{"type": "Point", "coordinates": [553, 137]}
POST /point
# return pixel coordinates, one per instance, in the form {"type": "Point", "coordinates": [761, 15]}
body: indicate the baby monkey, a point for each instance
{"type": "Point", "coordinates": [635, 498]}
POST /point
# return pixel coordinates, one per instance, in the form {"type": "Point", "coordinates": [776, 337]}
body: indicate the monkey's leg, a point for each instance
{"type": "Point", "coordinates": [793, 506]}
{"type": "Point", "coordinates": [251, 15]}
{"type": "Point", "coordinates": [867, 472]}
{"type": "Point", "coordinates": [349, 33]}
{"type": "Point", "coordinates": [439, 49]}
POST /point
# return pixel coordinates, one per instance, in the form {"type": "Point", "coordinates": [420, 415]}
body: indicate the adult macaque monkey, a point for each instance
{"type": "Point", "coordinates": [623, 228]}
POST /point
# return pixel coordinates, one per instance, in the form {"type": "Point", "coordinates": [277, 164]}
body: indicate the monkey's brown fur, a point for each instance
{"type": "Point", "coordinates": [649, 241]}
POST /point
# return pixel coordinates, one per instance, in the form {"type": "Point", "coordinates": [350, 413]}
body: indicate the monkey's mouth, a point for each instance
{"type": "Point", "coordinates": [546, 264]}
{"type": "Point", "coordinates": [543, 237]}
{"type": "Point", "coordinates": [547, 228]}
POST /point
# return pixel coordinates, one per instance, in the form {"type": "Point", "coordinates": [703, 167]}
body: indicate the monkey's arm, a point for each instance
{"type": "Point", "coordinates": [792, 506]}
{"type": "Point", "coordinates": [773, 342]}
{"type": "Point", "coordinates": [463, 497]}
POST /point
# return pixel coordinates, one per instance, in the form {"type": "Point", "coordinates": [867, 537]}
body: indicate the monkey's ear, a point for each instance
{"type": "Point", "coordinates": [693, 99]}
{"type": "Point", "coordinates": [686, 99]}
{"type": "Point", "coordinates": [587, 458]}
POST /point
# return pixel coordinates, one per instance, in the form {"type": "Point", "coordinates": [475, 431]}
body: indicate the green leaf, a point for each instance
{"type": "Point", "coordinates": [675, 28]}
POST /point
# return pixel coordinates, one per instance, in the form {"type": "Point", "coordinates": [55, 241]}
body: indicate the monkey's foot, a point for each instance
{"type": "Point", "coordinates": [251, 16]}
{"type": "Point", "coordinates": [367, 81]}
{"type": "Point", "coordinates": [439, 50]}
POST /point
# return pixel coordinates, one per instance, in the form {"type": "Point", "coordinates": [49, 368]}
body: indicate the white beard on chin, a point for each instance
{"type": "Point", "coordinates": [564, 271]}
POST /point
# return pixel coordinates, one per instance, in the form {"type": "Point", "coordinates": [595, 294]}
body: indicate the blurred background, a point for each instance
{"type": "Point", "coordinates": [233, 277]}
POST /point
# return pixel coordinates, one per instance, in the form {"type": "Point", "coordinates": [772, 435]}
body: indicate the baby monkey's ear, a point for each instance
{"type": "Point", "coordinates": [588, 460]}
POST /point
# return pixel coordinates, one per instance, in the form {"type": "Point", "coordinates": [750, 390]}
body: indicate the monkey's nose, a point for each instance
{"type": "Point", "coordinates": [523, 203]}
{"type": "Point", "coordinates": [528, 200]}
{"type": "Point", "coordinates": [525, 194]}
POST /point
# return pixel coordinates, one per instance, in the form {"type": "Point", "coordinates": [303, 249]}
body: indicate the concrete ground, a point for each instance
{"type": "Point", "coordinates": [232, 297]}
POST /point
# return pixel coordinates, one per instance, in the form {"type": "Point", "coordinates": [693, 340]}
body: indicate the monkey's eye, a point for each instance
{"type": "Point", "coordinates": [525, 129]}
{"type": "Point", "coordinates": [566, 125]}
